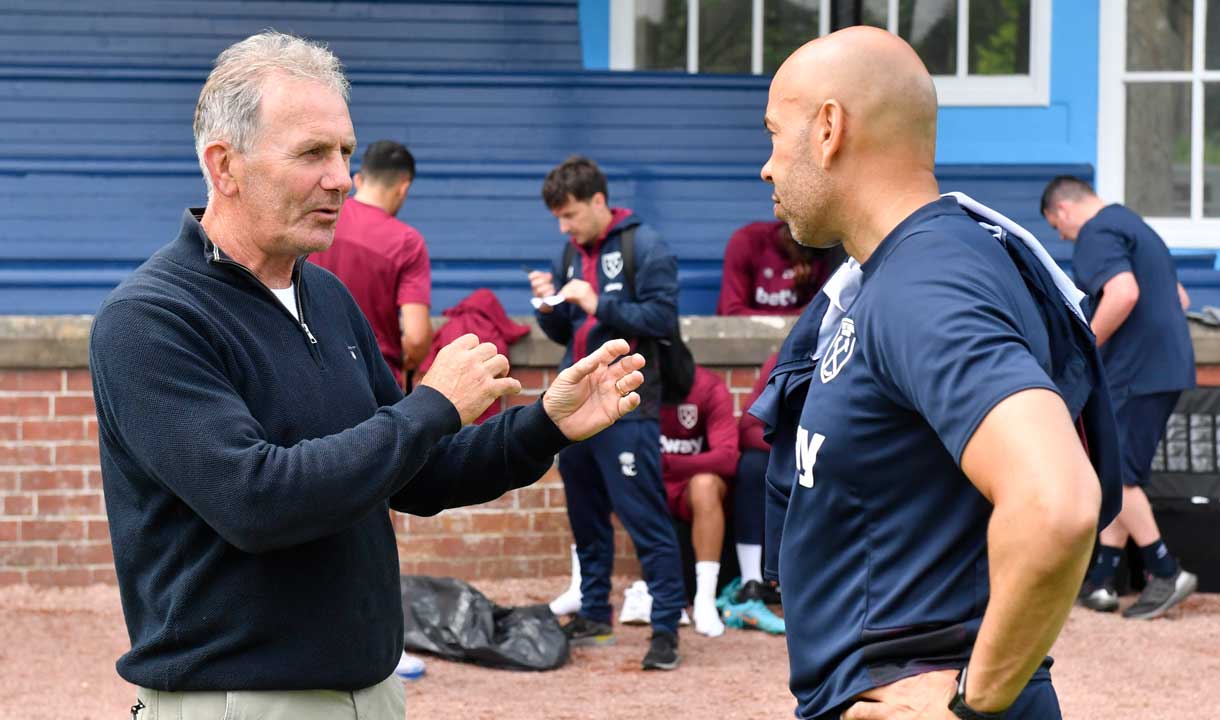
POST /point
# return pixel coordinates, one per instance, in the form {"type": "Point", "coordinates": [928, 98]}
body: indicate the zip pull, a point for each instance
{"type": "Point", "coordinates": [313, 340]}
{"type": "Point", "coordinates": [135, 709]}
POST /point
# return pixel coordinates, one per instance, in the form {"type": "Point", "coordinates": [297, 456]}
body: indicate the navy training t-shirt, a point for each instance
{"type": "Point", "coordinates": [884, 553]}
{"type": "Point", "coordinates": [1151, 351]}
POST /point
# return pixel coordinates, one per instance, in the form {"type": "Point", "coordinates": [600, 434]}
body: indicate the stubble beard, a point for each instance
{"type": "Point", "coordinates": [809, 220]}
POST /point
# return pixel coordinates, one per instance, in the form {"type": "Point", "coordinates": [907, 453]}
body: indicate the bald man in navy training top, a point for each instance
{"type": "Point", "coordinates": [942, 509]}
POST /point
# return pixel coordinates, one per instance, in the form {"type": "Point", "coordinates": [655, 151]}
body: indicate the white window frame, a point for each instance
{"type": "Point", "coordinates": [953, 90]}
{"type": "Point", "coordinates": [1194, 231]}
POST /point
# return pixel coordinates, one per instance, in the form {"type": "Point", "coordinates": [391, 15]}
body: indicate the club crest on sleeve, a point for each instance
{"type": "Point", "coordinates": [612, 264]}
{"type": "Point", "coordinates": [688, 415]}
{"type": "Point", "coordinates": [840, 351]}
{"type": "Point", "coordinates": [626, 461]}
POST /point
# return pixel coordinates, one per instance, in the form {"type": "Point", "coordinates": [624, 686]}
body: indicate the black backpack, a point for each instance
{"type": "Point", "coordinates": [675, 363]}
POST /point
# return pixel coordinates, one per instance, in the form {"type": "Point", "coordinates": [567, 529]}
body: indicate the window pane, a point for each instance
{"type": "Point", "coordinates": [1213, 35]}
{"type": "Point", "coordinates": [1211, 149]}
{"type": "Point", "coordinates": [1158, 149]}
{"type": "Point", "coordinates": [1159, 34]}
{"type": "Point", "coordinates": [724, 36]}
{"type": "Point", "coordinates": [999, 37]}
{"type": "Point", "coordinates": [787, 25]}
{"type": "Point", "coordinates": [931, 28]}
{"type": "Point", "coordinates": [845, 13]}
{"type": "Point", "coordinates": [660, 34]}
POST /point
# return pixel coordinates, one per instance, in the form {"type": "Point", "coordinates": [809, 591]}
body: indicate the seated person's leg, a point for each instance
{"type": "Point", "coordinates": [704, 496]}
{"type": "Point", "coordinates": [748, 494]}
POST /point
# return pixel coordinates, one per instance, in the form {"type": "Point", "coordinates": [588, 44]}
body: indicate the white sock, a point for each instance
{"type": "Point", "coordinates": [568, 602]}
{"type": "Point", "coordinates": [707, 617]}
{"type": "Point", "coordinates": [706, 575]}
{"type": "Point", "coordinates": [749, 557]}
{"type": "Point", "coordinates": [575, 585]}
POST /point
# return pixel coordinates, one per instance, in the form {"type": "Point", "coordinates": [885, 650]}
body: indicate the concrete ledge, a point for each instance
{"type": "Point", "coordinates": [51, 341]}
{"type": "Point", "coordinates": [62, 341]}
{"type": "Point", "coordinates": [712, 340]}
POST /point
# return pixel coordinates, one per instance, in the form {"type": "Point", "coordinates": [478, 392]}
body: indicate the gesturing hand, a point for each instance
{"type": "Point", "coordinates": [592, 394]}
{"type": "Point", "coordinates": [920, 697]}
{"type": "Point", "coordinates": [472, 375]}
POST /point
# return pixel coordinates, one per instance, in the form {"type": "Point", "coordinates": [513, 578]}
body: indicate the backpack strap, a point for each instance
{"type": "Point", "coordinates": [627, 243]}
{"type": "Point", "coordinates": [569, 254]}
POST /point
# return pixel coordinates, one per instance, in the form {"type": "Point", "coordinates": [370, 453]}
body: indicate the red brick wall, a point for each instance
{"type": "Point", "coordinates": [53, 527]}
{"type": "Point", "coordinates": [52, 519]}
{"type": "Point", "coordinates": [1207, 375]}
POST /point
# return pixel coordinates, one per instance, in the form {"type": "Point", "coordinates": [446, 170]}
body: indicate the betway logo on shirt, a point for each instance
{"type": "Point", "coordinates": [681, 446]}
{"type": "Point", "coordinates": [781, 298]}
{"type": "Point", "coordinates": [807, 448]}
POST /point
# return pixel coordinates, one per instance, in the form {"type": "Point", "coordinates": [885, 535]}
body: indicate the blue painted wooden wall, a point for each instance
{"type": "Point", "coordinates": [377, 35]}
{"type": "Point", "coordinates": [97, 160]}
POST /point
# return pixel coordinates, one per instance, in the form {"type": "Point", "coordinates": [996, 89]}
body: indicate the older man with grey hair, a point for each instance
{"type": "Point", "coordinates": [252, 439]}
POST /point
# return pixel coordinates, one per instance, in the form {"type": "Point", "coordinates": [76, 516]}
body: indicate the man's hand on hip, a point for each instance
{"type": "Point", "coordinates": [592, 394]}
{"type": "Point", "coordinates": [920, 697]}
{"type": "Point", "coordinates": [472, 375]}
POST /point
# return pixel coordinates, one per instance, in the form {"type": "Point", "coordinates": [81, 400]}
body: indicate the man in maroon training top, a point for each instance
{"type": "Point", "coordinates": [767, 273]}
{"type": "Point", "coordinates": [382, 260]}
{"type": "Point", "coordinates": [698, 458]}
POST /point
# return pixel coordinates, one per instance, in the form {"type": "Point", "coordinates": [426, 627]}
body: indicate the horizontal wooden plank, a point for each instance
{"type": "Point", "coordinates": [154, 35]}
{"type": "Point", "coordinates": [405, 9]}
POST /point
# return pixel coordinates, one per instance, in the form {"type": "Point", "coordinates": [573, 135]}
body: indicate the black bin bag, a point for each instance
{"type": "Point", "coordinates": [450, 618]}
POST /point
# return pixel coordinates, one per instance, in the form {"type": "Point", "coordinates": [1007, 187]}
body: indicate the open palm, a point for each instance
{"type": "Point", "coordinates": [592, 394]}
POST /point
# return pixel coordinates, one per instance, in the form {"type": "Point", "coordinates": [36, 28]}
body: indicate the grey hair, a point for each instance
{"type": "Point", "coordinates": [229, 101]}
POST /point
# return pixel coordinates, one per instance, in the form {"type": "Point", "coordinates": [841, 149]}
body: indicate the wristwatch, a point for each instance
{"type": "Point", "coordinates": [960, 709]}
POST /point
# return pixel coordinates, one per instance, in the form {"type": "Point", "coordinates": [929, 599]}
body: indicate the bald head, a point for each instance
{"type": "Point", "coordinates": [853, 121]}
{"type": "Point", "coordinates": [879, 80]}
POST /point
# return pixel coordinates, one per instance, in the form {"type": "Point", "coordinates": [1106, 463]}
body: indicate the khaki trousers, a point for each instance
{"type": "Point", "coordinates": [384, 701]}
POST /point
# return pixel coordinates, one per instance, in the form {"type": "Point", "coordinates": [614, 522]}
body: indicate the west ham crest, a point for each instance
{"type": "Point", "coordinates": [612, 264]}
{"type": "Point", "coordinates": [840, 350]}
{"type": "Point", "coordinates": [688, 415]}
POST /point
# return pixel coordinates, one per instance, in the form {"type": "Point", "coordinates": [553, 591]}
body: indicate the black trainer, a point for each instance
{"type": "Point", "coordinates": [583, 631]}
{"type": "Point", "coordinates": [768, 593]}
{"type": "Point", "coordinates": [1160, 594]}
{"type": "Point", "coordinates": [662, 651]}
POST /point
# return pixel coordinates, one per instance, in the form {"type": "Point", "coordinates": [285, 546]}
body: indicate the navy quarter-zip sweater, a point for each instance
{"type": "Point", "coordinates": [249, 462]}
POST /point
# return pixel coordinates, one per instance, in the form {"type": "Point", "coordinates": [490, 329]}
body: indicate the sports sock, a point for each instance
{"type": "Point", "coordinates": [749, 557]}
{"type": "Point", "coordinates": [707, 617]}
{"type": "Point", "coordinates": [575, 585]}
{"type": "Point", "coordinates": [1105, 565]}
{"type": "Point", "coordinates": [1157, 559]}
{"type": "Point", "coordinates": [568, 601]}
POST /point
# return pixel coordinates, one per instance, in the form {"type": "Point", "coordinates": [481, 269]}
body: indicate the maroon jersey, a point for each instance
{"type": "Point", "coordinates": [384, 264]}
{"type": "Point", "coordinates": [752, 427]}
{"type": "Point", "coordinates": [759, 276]}
{"type": "Point", "coordinates": [699, 434]}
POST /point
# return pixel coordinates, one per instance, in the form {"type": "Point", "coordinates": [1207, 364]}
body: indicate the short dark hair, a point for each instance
{"type": "Point", "coordinates": [385, 162]}
{"type": "Point", "coordinates": [1064, 187]}
{"type": "Point", "coordinates": [577, 176]}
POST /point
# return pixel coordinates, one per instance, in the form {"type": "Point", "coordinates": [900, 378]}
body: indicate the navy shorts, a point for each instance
{"type": "Point", "coordinates": [1037, 701]}
{"type": "Point", "coordinates": [1141, 425]}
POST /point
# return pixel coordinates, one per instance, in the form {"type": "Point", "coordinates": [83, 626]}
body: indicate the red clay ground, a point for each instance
{"type": "Point", "coordinates": [58, 650]}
